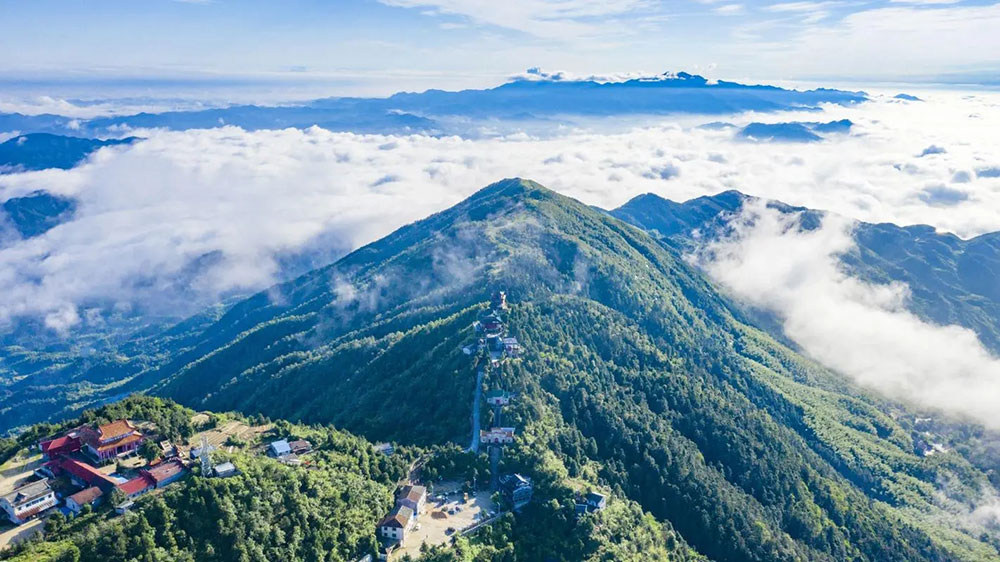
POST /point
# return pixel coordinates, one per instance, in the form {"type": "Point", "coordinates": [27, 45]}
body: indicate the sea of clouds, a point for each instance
{"type": "Point", "coordinates": [182, 219]}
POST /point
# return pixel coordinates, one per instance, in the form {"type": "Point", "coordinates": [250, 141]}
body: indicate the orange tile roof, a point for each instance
{"type": "Point", "coordinates": [115, 429]}
{"type": "Point", "coordinates": [115, 444]}
{"type": "Point", "coordinates": [85, 496]}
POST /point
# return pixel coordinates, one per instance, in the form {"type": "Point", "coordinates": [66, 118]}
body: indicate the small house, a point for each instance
{"type": "Point", "coordinates": [224, 470]}
{"type": "Point", "coordinates": [87, 496]}
{"type": "Point", "coordinates": [120, 509]}
{"type": "Point", "coordinates": [494, 343]}
{"type": "Point", "coordinates": [498, 398]}
{"type": "Point", "coordinates": [516, 488]}
{"type": "Point", "coordinates": [397, 524]}
{"type": "Point", "coordinates": [413, 497]}
{"type": "Point", "coordinates": [165, 473]}
{"type": "Point", "coordinates": [595, 501]}
{"type": "Point", "coordinates": [300, 446]}
{"type": "Point", "coordinates": [511, 347]}
{"type": "Point", "coordinates": [279, 448]}
{"type": "Point", "coordinates": [28, 501]}
{"type": "Point", "coordinates": [167, 449]}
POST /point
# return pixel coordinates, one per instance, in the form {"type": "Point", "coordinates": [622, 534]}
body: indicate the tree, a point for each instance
{"type": "Point", "coordinates": [55, 522]}
{"type": "Point", "coordinates": [116, 497]}
{"type": "Point", "coordinates": [149, 450]}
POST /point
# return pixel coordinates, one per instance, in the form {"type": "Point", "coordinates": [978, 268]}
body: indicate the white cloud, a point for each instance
{"type": "Point", "coordinates": [184, 217]}
{"type": "Point", "coordinates": [80, 109]}
{"type": "Point", "coordinates": [798, 6]}
{"type": "Point", "coordinates": [542, 18]}
{"type": "Point", "coordinates": [729, 9]}
{"type": "Point", "coordinates": [924, 2]}
{"type": "Point", "coordinates": [917, 41]}
{"type": "Point", "coordinates": [862, 330]}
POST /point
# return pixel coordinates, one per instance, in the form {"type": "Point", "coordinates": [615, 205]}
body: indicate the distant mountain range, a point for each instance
{"type": "Point", "coordinates": [462, 112]}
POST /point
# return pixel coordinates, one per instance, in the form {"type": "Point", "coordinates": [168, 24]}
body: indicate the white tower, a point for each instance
{"type": "Point", "coordinates": [206, 458]}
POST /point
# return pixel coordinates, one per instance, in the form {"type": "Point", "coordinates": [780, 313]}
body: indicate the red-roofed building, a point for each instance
{"type": "Point", "coordinates": [111, 439]}
{"type": "Point", "coordinates": [165, 472]}
{"type": "Point", "coordinates": [88, 496]}
{"type": "Point", "coordinates": [137, 486]}
{"type": "Point", "coordinates": [82, 474]}
{"type": "Point", "coordinates": [62, 445]}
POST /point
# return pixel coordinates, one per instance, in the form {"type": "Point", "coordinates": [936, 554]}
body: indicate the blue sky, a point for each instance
{"type": "Point", "coordinates": [370, 46]}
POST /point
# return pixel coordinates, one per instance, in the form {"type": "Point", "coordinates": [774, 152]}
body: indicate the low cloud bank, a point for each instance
{"type": "Point", "coordinates": [860, 329]}
{"type": "Point", "coordinates": [184, 218]}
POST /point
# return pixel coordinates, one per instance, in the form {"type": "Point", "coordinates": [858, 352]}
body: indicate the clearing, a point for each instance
{"type": "Point", "coordinates": [435, 521]}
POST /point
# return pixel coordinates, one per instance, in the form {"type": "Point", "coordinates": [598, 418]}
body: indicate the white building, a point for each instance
{"type": "Point", "coordinates": [279, 448]}
{"type": "Point", "coordinates": [497, 436]}
{"type": "Point", "coordinates": [28, 501]}
{"type": "Point", "coordinates": [399, 522]}
{"type": "Point", "coordinates": [413, 497]}
{"type": "Point", "coordinates": [225, 470]}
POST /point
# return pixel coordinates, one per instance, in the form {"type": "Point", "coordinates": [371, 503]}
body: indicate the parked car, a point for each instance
{"type": "Point", "coordinates": [449, 531]}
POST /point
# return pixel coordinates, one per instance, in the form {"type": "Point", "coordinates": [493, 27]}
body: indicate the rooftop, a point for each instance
{"type": "Point", "coordinates": [400, 517]}
{"type": "Point", "coordinates": [86, 496]}
{"type": "Point", "coordinates": [165, 470]}
{"type": "Point", "coordinates": [115, 429]}
{"type": "Point", "coordinates": [135, 485]}
{"type": "Point", "coordinates": [413, 493]}
{"type": "Point", "coordinates": [59, 443]}
{"type": "Point", "coordinates": [87, 473]}
{"type": "Point", "coordinates": [28, 492]}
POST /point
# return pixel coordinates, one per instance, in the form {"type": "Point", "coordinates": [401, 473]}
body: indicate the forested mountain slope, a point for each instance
{"type": "Point", "coordinates": [324, 509]}
{"type": "Point", "coordinates": [952, 281]}
{"type": "Point", "coordinates": [638, 376]}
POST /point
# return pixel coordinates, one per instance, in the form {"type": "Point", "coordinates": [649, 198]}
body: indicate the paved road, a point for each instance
{"type": "Point", "coordinates": [22, 532]}
{"type": "Point", "coordinates": [477, 399]}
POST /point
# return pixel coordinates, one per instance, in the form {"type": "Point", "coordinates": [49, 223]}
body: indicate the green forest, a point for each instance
{"type": "Point", "coordinates": [713, 439]}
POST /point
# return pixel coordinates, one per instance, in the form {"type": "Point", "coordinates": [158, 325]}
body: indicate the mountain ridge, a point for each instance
{"type": "Point", "coordinates": [949, 277]}
{"type": "Point", "coordinates": [388, 321]}
{"type": "Point", "coordinates": [638, 375]}
{"type": "Point", "coordinates": [440, 112]}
